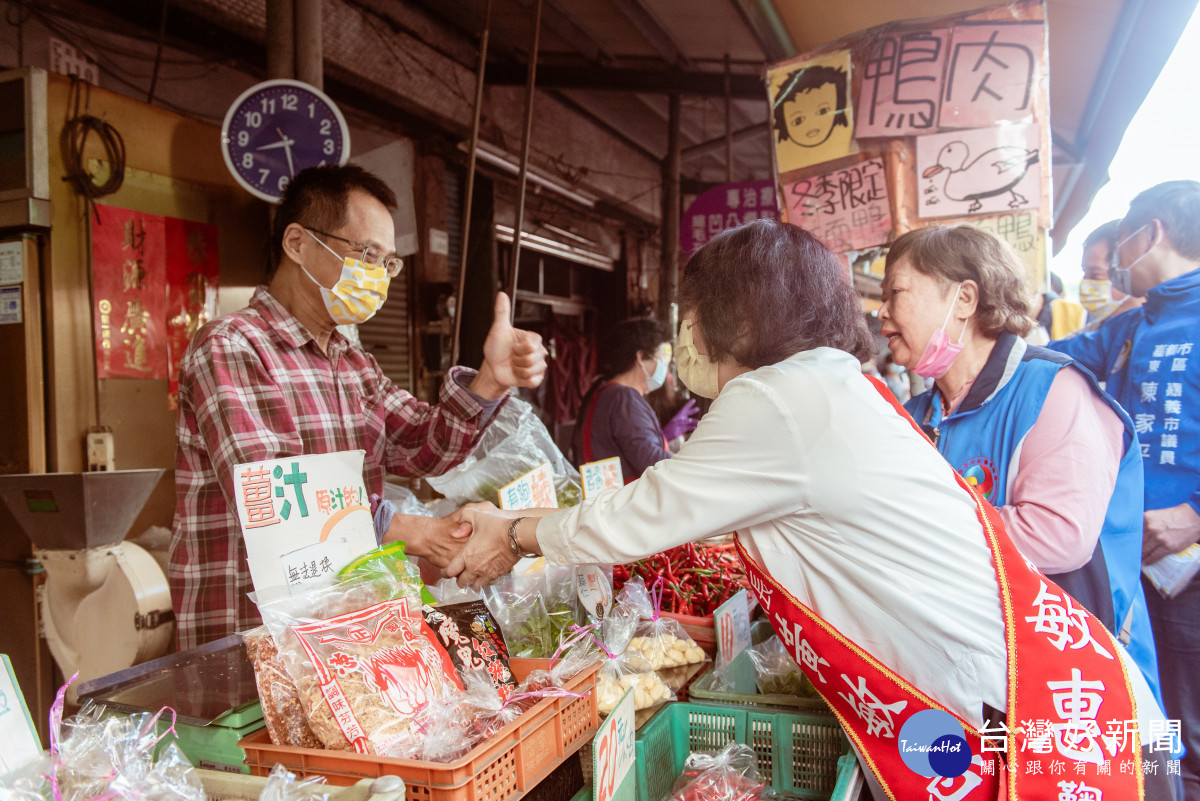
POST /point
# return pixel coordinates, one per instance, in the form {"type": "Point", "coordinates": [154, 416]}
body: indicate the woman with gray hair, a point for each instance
{"type": "Point", "coordinates": [891, 583]}
{"type": "Point", "coordinates": [1030, 429]}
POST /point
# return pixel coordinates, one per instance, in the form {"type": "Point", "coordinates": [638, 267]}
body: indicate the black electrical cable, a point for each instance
{"type": "Point", "coordinates": [73, 142]}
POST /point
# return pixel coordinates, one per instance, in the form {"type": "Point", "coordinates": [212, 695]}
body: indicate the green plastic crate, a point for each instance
{"type": "Point", "coordinates": [798, 752]}
{"type": "Point", "coordinates": [742, 673]}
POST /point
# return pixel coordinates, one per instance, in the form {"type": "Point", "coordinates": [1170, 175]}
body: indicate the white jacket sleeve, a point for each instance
{"type": "Point", "coordinates": [744, 464]}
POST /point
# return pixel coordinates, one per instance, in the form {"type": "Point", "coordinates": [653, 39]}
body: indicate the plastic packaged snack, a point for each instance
{"type": "Point", "coordinates": [365, 667]}
{"type": "Point", "coordinates": [472, 637]}
{"type": "Point", "coordinates": [516, 601]}
{"type": "Point", "coordinates": [622, 669]}
{"type": "Point", "coordinates": [729, 775]}
{"type": "Point", "coordinates": [283, 714]}
{"type": "Point", "coordinates": [662, 640]}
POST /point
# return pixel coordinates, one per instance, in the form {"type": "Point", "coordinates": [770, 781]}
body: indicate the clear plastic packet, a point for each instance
{"type": "Point", "coordinates": [447, 591]}
{"type": "Point", "coordinates": [729, 775]}
{"type": "Point", "coordinates": [516, 601]}
{"type": "Point", "coordinates": [662, 640]}
{"type": "Point", "coordinates": [470, 634]}
{"type": "Point", "coordinates": [29, 783]}
{"type": "Point", "coordinates": [282, 785]}
{"type": "Point", "coordinates": [776, 672]}
{"type": "Point", "coordinates": [514, 443]}
{"type": "Point", "coordinates": [389, 567]}
{"type": "Point", "coordinates": [622, 669]}
{"type": "Point", "coordinates": [365, 663]}
{"type": "Point", "coordinates": [283, 713]}
{"type": "Point", "coordinates": [578, 651]}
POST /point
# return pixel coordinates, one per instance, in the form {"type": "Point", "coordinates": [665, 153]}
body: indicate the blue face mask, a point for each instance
{"type": "Point", "coordinates": [656, 379]}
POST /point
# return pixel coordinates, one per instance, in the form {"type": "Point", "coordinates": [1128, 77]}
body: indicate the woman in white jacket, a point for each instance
{"type": "Point", "coordinates": [894, 585]}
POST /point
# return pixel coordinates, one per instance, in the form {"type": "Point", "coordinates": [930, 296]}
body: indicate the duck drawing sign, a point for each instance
{"type": "Point", "coordinates": [981, 171]}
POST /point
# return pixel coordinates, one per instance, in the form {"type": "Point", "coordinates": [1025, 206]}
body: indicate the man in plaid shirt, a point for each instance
{"type": "Point", "coordinates": [277, 379]}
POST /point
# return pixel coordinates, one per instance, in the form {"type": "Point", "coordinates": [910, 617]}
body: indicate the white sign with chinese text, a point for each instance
{"type": "Point", "coordinates": [12, 262]}
{"type": "Point", "coordinates": [601, 475]}
{"type": "Point", "coordinates": [613, 754]}
{"type": "Point", "coordinates": [534, 490]}
{"type": "Point", "coordinates": [302, 510]}
{"type": "Point", "coordinates": [19, 744]}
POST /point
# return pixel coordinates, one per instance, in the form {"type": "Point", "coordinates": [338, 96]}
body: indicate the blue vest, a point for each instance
{"type": "Point", "coordinates": [982, 440]}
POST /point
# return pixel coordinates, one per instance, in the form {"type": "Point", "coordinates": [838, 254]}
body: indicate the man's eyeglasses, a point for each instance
{"type": "Point", "coordinates": [1114, 262]}
{"type": "Point", "coordinates": [371, 255]}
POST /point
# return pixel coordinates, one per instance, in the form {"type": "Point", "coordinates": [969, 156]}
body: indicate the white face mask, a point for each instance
{"type": "Point", "coordinates": [658, 377]}
{"type": "Point", "coordinates": [698, 373]}
{"type": "Point", "coordinates": [359, 292]}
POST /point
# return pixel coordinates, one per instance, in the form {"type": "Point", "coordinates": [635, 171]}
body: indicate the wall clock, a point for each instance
{"type": "Point", "coordinates": [277, 128]}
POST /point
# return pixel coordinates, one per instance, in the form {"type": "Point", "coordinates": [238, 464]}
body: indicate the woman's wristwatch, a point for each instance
{"type": "Point", "coordinates": [514, 544]}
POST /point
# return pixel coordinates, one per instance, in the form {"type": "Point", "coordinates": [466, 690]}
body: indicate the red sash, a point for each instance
{"type": "Point", "coordinates": [1070, 703]}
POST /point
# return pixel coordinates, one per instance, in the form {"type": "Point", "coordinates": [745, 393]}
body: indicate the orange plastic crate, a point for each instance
{"type": "Point", "coordinates": [504, 767]}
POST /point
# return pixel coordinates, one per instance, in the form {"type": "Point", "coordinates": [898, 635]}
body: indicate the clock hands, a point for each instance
{"type": "Point", "coordinates": [286, 144]}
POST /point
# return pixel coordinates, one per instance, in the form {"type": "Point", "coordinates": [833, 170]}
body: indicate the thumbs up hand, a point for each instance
{"type": "Point", "coordinates": [512, 357]}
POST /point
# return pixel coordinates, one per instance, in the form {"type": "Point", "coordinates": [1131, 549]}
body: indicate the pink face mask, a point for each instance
{"type": "Point", "coordinates": [940, 353]}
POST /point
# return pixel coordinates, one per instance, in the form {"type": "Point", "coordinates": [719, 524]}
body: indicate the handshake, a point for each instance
{"type": "Point", "coordinates": [471, 545]}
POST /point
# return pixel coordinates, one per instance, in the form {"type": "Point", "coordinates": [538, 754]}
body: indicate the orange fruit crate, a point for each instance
{"type": "Point", "coordinates": [504, 767]}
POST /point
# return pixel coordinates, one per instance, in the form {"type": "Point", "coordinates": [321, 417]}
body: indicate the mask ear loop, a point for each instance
{"type": "Point", "coordinates": [950, 311]}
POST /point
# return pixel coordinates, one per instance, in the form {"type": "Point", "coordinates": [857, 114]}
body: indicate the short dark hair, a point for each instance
{"type": "Point", "coordinates": [1106, 234]}
{"type": "Point", "coordinates": [806, 79]}
{"type": "Point", "coordinates": [619, 346]}
{"type": "Point", "coordinates": [317, 198]}
{"type": "Point", "coordinates": [956, 253]}
{"type": "Point", "coordinates": [766, 290]}
{"type": "Point", "coordinates": [1176, 204]}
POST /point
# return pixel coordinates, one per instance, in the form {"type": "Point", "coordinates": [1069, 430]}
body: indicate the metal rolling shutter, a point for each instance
{"type": "Point", "coordinates": [386, 335]}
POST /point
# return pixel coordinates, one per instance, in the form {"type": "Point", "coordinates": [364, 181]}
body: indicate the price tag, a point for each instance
{"type": "Point", "coordinates": [732, 622]}
{"type": "Point", "coordinates": [534, 490]}
{"type": "Point", "coordinates": [594, 590]}
{"type": "Point", "coordinates": [601, 475]}
{"type": "Point", "coordinates": [19, 743]}
{"type": "Point", "coordinates": [613, 755]}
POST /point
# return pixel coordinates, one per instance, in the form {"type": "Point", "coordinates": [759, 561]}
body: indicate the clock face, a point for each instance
{"type": "Point", "coordinates": [277, 128]}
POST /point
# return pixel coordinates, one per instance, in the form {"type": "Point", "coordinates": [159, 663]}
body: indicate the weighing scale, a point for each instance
{"type": "Point", "coordinates": [211, 690]}
{"type": "Point", "coordinates": [105, 604]}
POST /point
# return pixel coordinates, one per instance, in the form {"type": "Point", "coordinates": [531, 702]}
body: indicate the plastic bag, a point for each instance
{"type": "Point", "coordinates": [516, 601]}
{"type": "Point", "coordinates": [474, 640]}
{"type": "Point", "coordinates": [623, 670]}
{"type": "Point", "coordinates": [515, 443]}
{"type": "Point", "coordinates": [282, 785]}
{"type": "Point", "coordinates": [662, 640]}
{"type": "Point", "coordinates": [283, 713]}
{"type": "Point", "coordinates": [405, 500]}
{"type": "Point", "coordinates": [730, 775]}
{"type": "Point", "coordinates": [365, 663]}
{"type": "Point", "coordinates": [776, 672]}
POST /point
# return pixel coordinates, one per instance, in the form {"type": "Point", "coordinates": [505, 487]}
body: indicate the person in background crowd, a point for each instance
{"type": "Point", "coordinates": [895, 379]}
{"type": "Point", "coordinates": [276, 379]}
{"type": "Point", "coordinates": [1056, 316]}
{"type": "Point", "coordinates": [1149, 359]}
{"type": "Point", "coordinates": [1096, 291]}
{"type": "Point", "coordinates": [886, 575]}
{"type": "Point", "coordinates": [615, 419]}
{"type": "Point", "coordinates": [1032, 432]}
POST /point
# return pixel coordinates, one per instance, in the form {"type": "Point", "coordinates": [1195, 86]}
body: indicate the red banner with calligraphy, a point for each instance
{"type": "Point", "coordinates": [130, 287]}
{"type": "Point", "coordinates": [155, 281]}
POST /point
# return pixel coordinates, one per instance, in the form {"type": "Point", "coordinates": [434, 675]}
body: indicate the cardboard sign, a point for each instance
{"type": "Point", "coordinates": [847, 209]}
{"type": "Point", "coordinates": [534, 490]}
{"type": "Point", "coordinates": [811, 114]}
{"type": "Point", "coordinates": [613, 754]}
{"type": "Point", "coordinates": [902, 83]}
{"type": "Point", "coordinates": [19, 743]}
{"type": "Point", "coordinates": [302, 517]}
{"type": "Point", "coordinates": [985, 171]}
{"type": "Point", "coordinates": [601, 475]}
{"type": "Point", "coordinates": [732, 622]}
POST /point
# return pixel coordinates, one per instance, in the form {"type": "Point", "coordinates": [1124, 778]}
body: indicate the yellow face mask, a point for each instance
{"type": "Point", "coordinates": [698, 373]}
{"type": "Point", "coordinates": [359, 292]}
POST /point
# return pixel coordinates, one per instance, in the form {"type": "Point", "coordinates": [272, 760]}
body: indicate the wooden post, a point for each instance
{"type": "Point", "coordinates": [530, 84]}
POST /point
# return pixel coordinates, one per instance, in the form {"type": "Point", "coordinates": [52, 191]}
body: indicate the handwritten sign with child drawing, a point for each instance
{"type": "Point", "coordinates": [979, 172]}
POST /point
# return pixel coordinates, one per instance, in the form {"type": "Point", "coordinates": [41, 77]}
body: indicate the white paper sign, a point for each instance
{"type": "Point", "coordinates": [316, 563]}
{"type": "Point", "coordinates": [594, 590]}
{"type": "Point", "coordinates": [601, 475]}
{"type": "Point", "coordinates": [19, 744]}
{"type": "Point", "coordinates": [12, 263]}
{"type": "Point", "coordinates": [287, 506]}
{"type": "Point", "coordinates": [534, 490]}
{"type": "Point", "coordinates": [732, 622]}
{"type": "Point", "coordinates": [10, 304]}
{"type": "Point", "coordinates": [613, 753]}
